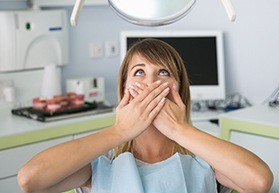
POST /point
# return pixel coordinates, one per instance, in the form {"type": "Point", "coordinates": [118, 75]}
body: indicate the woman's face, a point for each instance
{"type": "Point", "coordinates": [142, 71]}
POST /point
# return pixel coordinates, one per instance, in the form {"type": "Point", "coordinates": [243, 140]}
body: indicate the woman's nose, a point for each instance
{"type": "Point", "coordinates": [151, 80]}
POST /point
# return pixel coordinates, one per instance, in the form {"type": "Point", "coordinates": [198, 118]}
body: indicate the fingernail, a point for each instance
{"type": "Point", "coordinates": [175, 88]}
{"type": "Point", "coordinates": [166, 84]}
{"type": "Point", "coordinates": [167, 90]}
{"type": "Point", "coordinates": [126, 91]}
{"type": "Point", "coordinates": [132, 91]}
{"type": "Point", "coordinates": [137, 84]}
{"type": "Point", "coordinates": [158, 81]}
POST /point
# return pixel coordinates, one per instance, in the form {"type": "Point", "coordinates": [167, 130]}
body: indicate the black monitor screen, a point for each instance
{"type": "Point", "coordinates": [199, 55]}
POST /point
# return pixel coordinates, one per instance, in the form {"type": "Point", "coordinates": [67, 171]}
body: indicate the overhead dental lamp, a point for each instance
{"type": "Point", "coordinates": [151, 12]}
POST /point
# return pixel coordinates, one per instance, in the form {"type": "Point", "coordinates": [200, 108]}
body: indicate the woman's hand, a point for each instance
{"type": "Point", "coordinates": [133, 117]}
{"type": "Point", "coordinates": [171, 115]}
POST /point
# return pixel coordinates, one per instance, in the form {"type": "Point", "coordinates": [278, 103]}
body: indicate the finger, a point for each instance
{"type": "Point", "coordinates": [154, 94]}
{"type": "Point", "coordinates": [136, 88]}
{"type": "Point", "coordinates": [176, 96]}
{"type": "Point", "coordinates": [148, 90]}
{"type": "Point", "coordinates": [131, 98]}
{"type": "Point", "coordinates": [133, 92]}
{"type": "Point", "coordinates": [140, 85]}
{"type": "Point", "coordinates": [125, 99]}
{"type": "Point", "coordinates": [157, 109]}
{"type": "Point", "coordinates": [155, 102]}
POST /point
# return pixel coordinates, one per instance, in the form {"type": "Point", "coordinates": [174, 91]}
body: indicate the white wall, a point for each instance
{"type": "Point", "coordinates": [251, 44]}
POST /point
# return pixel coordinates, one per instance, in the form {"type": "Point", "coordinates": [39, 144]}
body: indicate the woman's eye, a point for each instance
{"type": "Point", "coordinates": [138, 73]}
{"type": "Point", "coordinates": [164, 73]}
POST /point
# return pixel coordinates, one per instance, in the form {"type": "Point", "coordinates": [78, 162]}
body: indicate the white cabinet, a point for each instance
{"type": "Point", "coordinates": [9, 0]}
{"type": "Point", "coordinates": [256, 129]}
{"type": "Point", "coordinates": [54, 3]}
{"type": "Point", "coordinates": [11, 160]}
{"type": "Point", "coordinates": [24, 46]}
{"type": "Point", "coordinates": [264, 147]}
{"type": "Point", "coordinates": [9, 185]}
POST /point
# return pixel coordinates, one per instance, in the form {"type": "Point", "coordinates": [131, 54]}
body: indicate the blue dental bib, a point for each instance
{"type": "Point", "coordinates": [177, 174]}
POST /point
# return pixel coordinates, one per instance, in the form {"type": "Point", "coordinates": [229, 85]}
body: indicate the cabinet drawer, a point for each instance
{"type": "Point", "coordinates": [10, 185]}
{"type": "Point", "coordinates": [265, 148]}
{"type": "Point", "coordinates": [11, 160]}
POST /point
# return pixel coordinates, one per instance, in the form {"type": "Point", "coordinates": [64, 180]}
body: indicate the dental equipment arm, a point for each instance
{"type": "Point", "coordinates": [229, 9]}
{"type": "Point", "coordinates": [79, 4]}
{"type": "Point", "coordinates": [76, 11]}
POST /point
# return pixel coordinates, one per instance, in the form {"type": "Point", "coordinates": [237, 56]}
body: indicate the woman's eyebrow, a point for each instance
{"type": "Point", "coordinates": [137, 65]}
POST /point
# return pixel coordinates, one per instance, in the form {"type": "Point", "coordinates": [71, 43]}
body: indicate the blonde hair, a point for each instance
{"type": "Point", "coordinates": [162, 54]}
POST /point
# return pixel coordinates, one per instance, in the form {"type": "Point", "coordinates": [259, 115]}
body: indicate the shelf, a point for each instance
{"type": "Point", "coordinates": [57, 3]}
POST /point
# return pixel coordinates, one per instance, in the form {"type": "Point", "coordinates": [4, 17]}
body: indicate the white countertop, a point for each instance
{"type": "Point", "coordinates": [11, 124]}
{"type": "Point", "coordinates": [261, 114]}
{"type": "Point", "coordinates": [16, 130]}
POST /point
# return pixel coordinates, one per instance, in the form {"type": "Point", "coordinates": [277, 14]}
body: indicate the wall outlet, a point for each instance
{"type": "Point", "coordinates": [111, 48]}
{"type": "Point", "coordinates": [95, 50]}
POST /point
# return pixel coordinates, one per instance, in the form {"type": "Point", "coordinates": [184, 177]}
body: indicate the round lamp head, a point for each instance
{"type": "Point", "coordinates": [152, 12]}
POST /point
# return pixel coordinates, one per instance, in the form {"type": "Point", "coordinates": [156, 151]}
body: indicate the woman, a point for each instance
{"type": "Point", "coordinates": [155, 149]}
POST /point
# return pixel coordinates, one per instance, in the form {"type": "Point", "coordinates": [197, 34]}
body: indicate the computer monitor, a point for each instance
{"type": "Point", "coordinates": [202, 53]}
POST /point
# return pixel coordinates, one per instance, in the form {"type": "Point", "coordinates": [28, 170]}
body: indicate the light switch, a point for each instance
{"type": "Point", "coordinates": [95, 50]}
{"type": "Point", "coordinates": [111, 48]}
